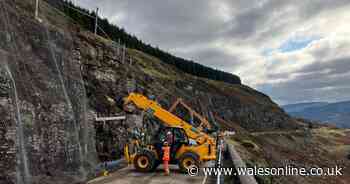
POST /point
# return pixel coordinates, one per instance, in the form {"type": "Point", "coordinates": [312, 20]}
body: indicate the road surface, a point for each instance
{"type": "Point", "coordinates": [129, 176]}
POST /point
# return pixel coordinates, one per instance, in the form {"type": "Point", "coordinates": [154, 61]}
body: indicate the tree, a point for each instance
{"type": "Point", "coordinates": [115, 33]}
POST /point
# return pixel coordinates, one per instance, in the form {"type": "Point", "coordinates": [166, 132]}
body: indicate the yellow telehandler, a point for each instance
{"type": "Point", "coordinates": [190, 146]}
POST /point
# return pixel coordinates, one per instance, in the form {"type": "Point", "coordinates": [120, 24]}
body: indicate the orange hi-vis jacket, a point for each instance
{"type": "Point", "coordinates": [166, 153]}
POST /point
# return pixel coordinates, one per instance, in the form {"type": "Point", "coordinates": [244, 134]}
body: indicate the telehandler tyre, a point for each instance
{"type": "Point", "coordinates": [145, 161]}
{"type": "Point", "coordinates": [188, 160]}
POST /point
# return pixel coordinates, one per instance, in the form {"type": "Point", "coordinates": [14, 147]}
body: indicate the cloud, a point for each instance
{"type": "Point", "coordinates": [319, 72]}
{"type": "Point", "coordinates": [214, 57]}
{"type": "Point", "coordinates": [294, 51]}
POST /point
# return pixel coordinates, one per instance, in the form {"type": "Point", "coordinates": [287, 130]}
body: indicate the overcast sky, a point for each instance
{"type": "Point", "coordinates": [294, 51]}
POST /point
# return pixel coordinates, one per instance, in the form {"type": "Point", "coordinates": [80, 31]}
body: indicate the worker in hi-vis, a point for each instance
{"type": "Point", "coordinates": [166, 157]}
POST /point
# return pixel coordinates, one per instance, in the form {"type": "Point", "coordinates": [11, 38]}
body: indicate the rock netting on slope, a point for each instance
{"type": "Point", "coordinates": [44, 110]}
{"type": "Point", "coordinates": [7, 131]}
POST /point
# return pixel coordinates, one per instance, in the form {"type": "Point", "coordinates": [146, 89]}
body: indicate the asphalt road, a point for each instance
{"type": "Point", "coordinates": [129, 176]}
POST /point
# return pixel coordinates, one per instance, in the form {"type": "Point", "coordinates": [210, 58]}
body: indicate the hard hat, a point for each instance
{"type": "Point", "coordinates": [165, 143]}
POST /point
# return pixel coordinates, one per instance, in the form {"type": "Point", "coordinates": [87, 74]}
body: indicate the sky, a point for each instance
{"type": "Point", "coordinates": [294, 51]}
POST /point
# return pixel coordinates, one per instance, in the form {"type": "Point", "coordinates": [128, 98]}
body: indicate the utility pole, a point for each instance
{"type": "Point", "coordinates": [96, 25]}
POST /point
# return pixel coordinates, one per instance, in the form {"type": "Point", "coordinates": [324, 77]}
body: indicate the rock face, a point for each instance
{"type": "Point", "coordinates": [107, 77]}
{"type": "Point", "coordinates": [54, 79]}
{"type": "Point", "coordinates": [46, 128]}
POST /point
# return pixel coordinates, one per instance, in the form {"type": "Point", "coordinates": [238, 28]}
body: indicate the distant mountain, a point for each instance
{"type": "Point", "coordinates": [302, 106]}
{"type": "Point", "coordinates": [332, 113]}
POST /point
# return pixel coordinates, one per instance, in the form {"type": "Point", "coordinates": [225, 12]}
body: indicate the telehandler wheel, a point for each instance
{"type": "Point", "coordinates": [145, 161]}
{"type": "Point", "coordinates": [188, 160]}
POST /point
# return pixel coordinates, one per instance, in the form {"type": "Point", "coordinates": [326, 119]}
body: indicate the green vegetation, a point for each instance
{"type": "Point", "coordinates": [131, 41]}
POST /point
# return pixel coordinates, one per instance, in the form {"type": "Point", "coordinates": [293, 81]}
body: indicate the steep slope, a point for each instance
{"type": "Point", "coordinates": [117, 34]}
{"type": "Point", "coordinates": [332, 113]}
{"type": "Point", "coordinates": [310, 148]}
{"type": "Point", "coordinates": [56, 78]}
{"type": "Point", "coordinates": [46, 128]}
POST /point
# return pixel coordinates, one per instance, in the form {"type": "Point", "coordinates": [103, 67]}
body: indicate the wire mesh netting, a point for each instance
{"type": "Point", "coordinates": [46, 127]}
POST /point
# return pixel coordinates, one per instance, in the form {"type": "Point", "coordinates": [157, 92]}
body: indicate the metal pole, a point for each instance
{"type": "Point", "coordinates": [96, 25]}
{"type": "Point", "coordinates": [123, 54]}
{"type": "Point", "coordinates": [130, 59]}
{"type": "Point", "coordinates": [118, 48]}
{"type": "Point", "coordinates": [36, 9]}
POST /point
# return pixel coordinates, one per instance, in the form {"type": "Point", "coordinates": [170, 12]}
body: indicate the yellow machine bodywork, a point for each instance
{"type": "Point", "coordinates": [205, 146]}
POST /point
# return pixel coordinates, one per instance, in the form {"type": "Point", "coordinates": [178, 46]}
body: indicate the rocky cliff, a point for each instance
{"type": "Point", "coordinates": [46, 130]}
{"type": "Point", "coordinates": [55, 78]}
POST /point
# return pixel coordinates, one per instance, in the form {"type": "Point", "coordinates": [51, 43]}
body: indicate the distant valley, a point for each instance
{"type": "Point", "coordinates": [331, 113]}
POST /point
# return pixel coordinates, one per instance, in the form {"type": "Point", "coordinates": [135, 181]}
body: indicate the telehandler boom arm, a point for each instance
{"type": "Point", "coordinates": [166, 117]}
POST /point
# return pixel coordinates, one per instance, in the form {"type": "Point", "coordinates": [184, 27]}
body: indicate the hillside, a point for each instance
{"type": "Point", "coordinates": [55, 78]}
{"type": "Point", "coordinates": [85, 19]}
{"type": "Point", "coordinates": [319, 147]}
{"type": "Point", "coordinates": [332, 113]}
